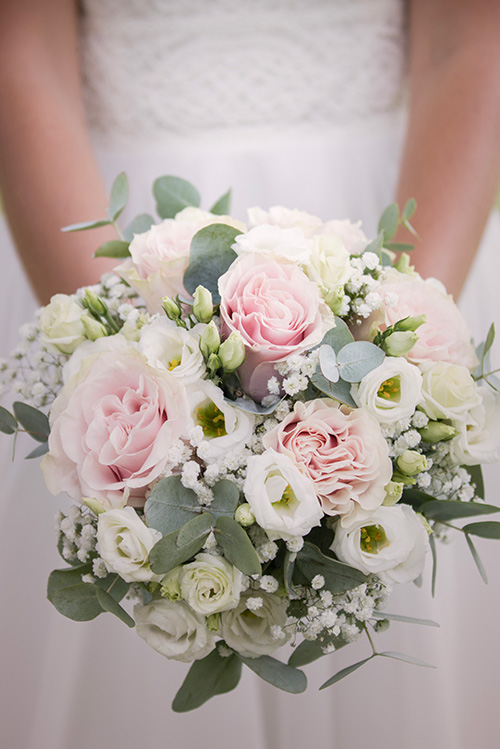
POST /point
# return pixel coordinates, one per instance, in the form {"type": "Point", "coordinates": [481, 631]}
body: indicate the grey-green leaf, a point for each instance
{"type": "Point", "coordinates": [310, 650]}
{"type": "Point", "coordinates": [66, 578]}
{"type": "Point", "coordinates": [375, 245]}
{"type": "Point", "coordinates": [345, 672]}
{"type": "Point", "coordinates": [84, 225]}
{"type": "Point", "coordinates": [210, 256]}
{"type": "Point", "coordinates": [195, 530]}
{"type": "Point", "coordinates": [173, 194]}
{"type": "Point", "coordinates": [170, 505]}
{"type": "Point", "coordinates": [38, 451]}
{"type": "Point", "coordinates": [328, 363]}
{"type": "Point", "coordinates": [339, 390]}
{"type": "Point", "coordinates": [78, 602]}
{"type": "Point", "coordinates": [489, 338]}
{"type": "Point", "coordinates": [356, 359]}
{"type": "Point", "coordinates": [206, 678]}
{"type": "Point", "coordinates": [226, 498]}
{"type": "Point", "coordinates": [280, 675]}
{"type": "Point", "coordinates": [338, 336]}
{"type": "Point", "coordinates": [249, 405]}
{"type": "Point", "coordinates": [389, 221]}
{"type": "Point", "coordinates": [476, 474]}
{"type": "Point", "coordinates": [476, 558]}
{"type": "Point", "coordinates": [140, 224]}
{"type": "Point", "coordinates": [432, 544]}
{"type": "Point", "coordinates": [409, 209]}
{"type": "Point", "coordinates": [116, 248]}
{"type": "Point", "coordinates": [484, 530]}
{"type": "Point", "coordinates": [223, 206]}
{"type": "Point", "coordinates": [167, 553]}
{"type": "Point", "coordinates": [452, 509]}
{"type": "Point", "coordinates": [406, 659]}
{"type": "Point", "coordinates": [339, 577]}
{"type": "Point", "coordinates": [108, 603]}
{"type": "Point", "coordinates": [408, 619]}
{"type": "Point", "coordinates": [35, 422]}
{"type": "Point", "coordinates": [119, 196]}
{"type": "Point", "coordinates": [237, 547]}
{"type": "Point", "coordinates": [8, 424]}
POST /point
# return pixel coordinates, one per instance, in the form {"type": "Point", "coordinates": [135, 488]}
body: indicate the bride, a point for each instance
{"type": "Point", "coordinates": [333, 107]}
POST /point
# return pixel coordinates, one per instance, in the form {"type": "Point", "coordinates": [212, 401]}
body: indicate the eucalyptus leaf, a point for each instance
{"type": "Point", "coordinates": [409, 209]}
{"type": "Point", "coordinates": [328, 363]}
{"type": "Point", "coordinates": [8, 424]}
{"type": "Point", "coordinates": [399, 246]}
{"type": "Point", "coordinates": [78, 602]}
{"type": "Point", "coordinates": [195, 530]}
{"type": "Point", "coordinates": [484, 530]}
{"type": "Point", "coordinates": [288, 565]}
{"type": "Point", "coordinates": [375, 245]}
{"type": "Point", "coordinates": [116, 248]}
{"type": "Point", "coordinates": [206, 678]}
{"type": "Point", "coordinates": [406, 659]}
{"type": "Point", "coordinates": [476, 474]}
{"type": "Point", "coordinates": [84, 225]}
{"type": "Point", "coordinates": [339, 390]}
{"type": "Point", "coordinates": [250, 406]}
{"type": "Point", "coordinates": [210, 256]}
{"type": "Point", "coordinates": [476, 558]}
{"type": "Point", "coordinates": [407, 619]}
{"type": "Point", "coordinates": [140, 224]}
{"type": "Point", "coordinates": [356, 359]}
{"type": "Point", "coordinates": [451, 509]}
{"type": "Point", "coordinates": [118, 198]}
{"type": "Point", "coordinates": [345, 672]}
{"type": "Point", "coordinates": [310, 650]}
{"type": "Point", "coordinates": [173, 194]}
{"type": "Point", "coordinates": [339, 577]}
{"type": "Point", "coordinates": [222, 206]}
{"type": "Point", "coordinates": [35, 422]}
{"type": "Point", "coordinates": [38, 451]}
{"type": "Point", "coordinates": [108, 603]}
{"type": "Point", "coordinates": [489, 338]}
{"type": "Point", "coordinates": [226, 498]}
{"type": "Point", "coordinates": [66, 578]}
{"type": "Point", "coordinates": [114, 585]}
{"type": "Point", "coordinates": [338, 336]}
{"type": "Point", "coordinates": [389, 221]}
{"type": "Point", "coordinates": [167, 553]}
{"type": "Point", "coordinates": [279, 674]}
{"type": "Point", "coordinates": [416, 498]}
{"type": "Point", "coordinates": [170, 505]}
{"type": "Point", "coordinates": [237, 547]}
{"type": "Point", "coordinates": [432, 544]}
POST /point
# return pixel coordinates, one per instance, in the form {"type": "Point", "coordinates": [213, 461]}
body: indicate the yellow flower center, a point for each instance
{"type": "Point", "coordinates": [211, 419]}
{"type": "Point", "coordinates": [390, 389]}
{"type": "Point", "coordinates": [373, 539]}
{"type": "Point", "coordinates": [173, 364]}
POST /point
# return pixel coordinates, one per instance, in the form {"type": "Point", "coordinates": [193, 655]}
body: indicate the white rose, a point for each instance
{"type": "Point", "coordinates": [329, 264]}
{"type": "Point", "coordinates": [283, 500]}
{"type": "Point", "coordinates": [390, 392]}
{"type": "Point", "coordinates": [290, 244]}
{"type": "Point", "coordinates": [478, 439]}
{"type": "Point", "coordinates": [61, 324]}
{"type": "Point", "coordinates": [249, 632]}
{"type": "Point", "coordinates": [285, 218]}
{"type": "Point", "coordinates": [448, 391]}
{"type": "Point", "coordinates": [124, 542]}
{"type": "Point", "coordinates": [210, 584]}
{"type": "Point", "coordinates": [168, 347]}
{"type": "Point", "coordinates": [352, 236]}
{"type": "Point", "coordinates": [172, 629]}
{"type": "Point", "coordinates": [391, 543]}
{"type": "Point", "coordinates": [225, 428]}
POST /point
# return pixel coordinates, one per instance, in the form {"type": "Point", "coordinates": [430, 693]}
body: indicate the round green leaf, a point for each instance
{"type": "Point", "coordinates": [173, 194]}
{"type": "Point", "coordinates": [211, 255]}
{"type": "Point", "coordinates": [35, 422]}
{"type": "Point", "coordinates": [170, 505]}
{"type": "Point", "coordinates": [8, 424]}
{"type": "Point", "coordinates": [356, 359]}
{"type": "Point", "coordinates": [206, 678]}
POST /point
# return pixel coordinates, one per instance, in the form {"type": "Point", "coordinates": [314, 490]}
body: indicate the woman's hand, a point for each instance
{"type": "Point", "coordinates": [451, 162]}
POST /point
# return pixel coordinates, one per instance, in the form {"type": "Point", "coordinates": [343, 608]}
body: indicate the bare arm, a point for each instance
{"type": "Point", "coordinates": [48, 174]}
{"type": "Point", "coordinates": [451, 162]}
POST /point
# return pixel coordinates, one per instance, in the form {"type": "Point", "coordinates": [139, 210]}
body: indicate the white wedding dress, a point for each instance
{"type": "Point", "coordinates": [297, 102]}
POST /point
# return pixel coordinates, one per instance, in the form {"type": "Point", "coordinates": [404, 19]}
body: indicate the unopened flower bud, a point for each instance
{"type": "Point", "coordinates": [393, 492]}
{"type": "Point", "coordinates": [203, 308]}
{"type": "Point", "coordinates": [437, 431]}
{"type": "Point", "coordinates": [232, 352]}
{"type": "Point", "coordinates": [213, 363]}
{"type": "Point", "coordinates": [92, 328]}
{"type": "Point", "coordinates": [403, 265]}
{"type": "Point", "coordinates": [172, 308]}
{"type": "Point", "coordinates": [209, 340]}
{"type": "Point", "coordinates": [400, 343]}
{"type": "Point", "coordinates": [334, 298]}
{"type": "Point", "coordinates": [244, 515]}
{"type": "Point", "coordinates": [94, 303]}
{"type": "Point", "coordinates": [213, 621]}
{"type": "Point", "coordinates": [94, 505]}
{"type": "Point", "coordinates": [411, 462]}
{"type": "Point", "coordinates": [410, 323]}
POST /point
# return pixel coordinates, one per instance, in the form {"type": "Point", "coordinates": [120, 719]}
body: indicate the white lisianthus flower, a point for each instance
{"type": "Point", "coordinates": [168, 347]}
{"type": "Point", "coordinates": [353, 237]}
{"type": "Point", "coordinates": [210, 584]}
{"type": "Point", "coordinates": [285, 218]}
{"type": "Point", "coordinates": [392, 544]}
{"type": "Point", "coordinates": [390, 392]}
{"type": "Point", "coordinates": [283, 500]}
{"type": "Point", "coordinates": [289, 244]}
{"type": "Point", "coordinates": [174, 630]}
{"type": "Point", "coordinates": [225, 428]}
{"type": "Point", "coordinates": [478, 439]}
{"type": "Point", "coordinates": [61, 324]}
{"type": "Point", "coordinates": [124, 542]}
{"type": "Point", "coordinates": [250, 632]}
{"type": "Point", "coordinates": [448, 391]}
{"type": "Point", "coordinates": [329, 264]}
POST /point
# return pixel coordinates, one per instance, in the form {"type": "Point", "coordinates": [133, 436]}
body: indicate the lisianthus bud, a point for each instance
{"type": "Point", "coordinates": [393, 492]}
{"type": "Point", "coordinates": [170, 585]}
{"type": "Point", "coordinates": [209, 340]}
{"type": "Point", "coordinates": [92, 328]}
{"type": "Point", "coordinates": [244, 515]}
{"type": "Point", "coordinates": [437, 431]}
{"type": "Point", "coordinates": [94, 303]}
{"type": "Point", "coordinates": [171, 307]}
{"type": "Point", "coordinates": [334, 298]}
{"type": "Point", "coordinates": [410, 323]}
{"type": "Point", "coordinates": [203, 308]}
{"type": "Point", "coordinates": [400, 343]}
{"type": "Point", "coordinates": [94, 505]}
{"type": "Point", "coordinates": [403, 265]}
{"type": "Point", "coordinates": [232, 352]}
{"type": "Point", "coordinates": [213, 363]}
{"type": "Point", "coordinates": [411, 462]}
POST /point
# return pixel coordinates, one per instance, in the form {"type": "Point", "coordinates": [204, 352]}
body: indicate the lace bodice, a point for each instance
{"type": "Point", "coordinates": [159, 67]}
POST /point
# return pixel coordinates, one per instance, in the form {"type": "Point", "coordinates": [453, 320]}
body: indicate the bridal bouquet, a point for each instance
{"type": "Point", "coordinates": [264, 429]}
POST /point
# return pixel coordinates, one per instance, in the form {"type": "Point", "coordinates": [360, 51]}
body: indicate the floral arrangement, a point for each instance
{"type": "Point", "coordinates": [264, 429]}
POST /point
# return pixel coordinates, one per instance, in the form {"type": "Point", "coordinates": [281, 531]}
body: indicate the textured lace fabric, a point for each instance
{"type": "Point", "coordinates": [153, 68]}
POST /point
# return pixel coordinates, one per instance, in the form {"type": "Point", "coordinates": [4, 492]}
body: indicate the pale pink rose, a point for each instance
{"type": "Point", "coordinates": [341, 450]}
{"type": "Point", "coordinates": [112, 427]}
{"type": "Point", "coordinates": [286, 218]}
{"type": "Point", "coordinates": [276, 309]}
{"type": "Point", "coordinates": [445, 336]}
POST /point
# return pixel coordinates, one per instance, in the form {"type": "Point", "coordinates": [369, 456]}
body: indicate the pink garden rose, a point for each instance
{"type": "Point", "coordinates": [112, 426]}
{"type": "Point", "coordinates": [276, 309]}
{"type": "Point", "coordinates": [341, 450]}
{"type": "Point", "coordinates": [445, 336]}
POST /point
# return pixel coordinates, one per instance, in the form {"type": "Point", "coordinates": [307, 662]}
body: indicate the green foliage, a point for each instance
{"type": "Point", "coordinates": [339, 390]}
{"type": "Point", "coordinates": [250, 406]}
{"type": "Point", "coordinates": [236, 545]}
{"type": "Point", "coordinates": [406, 659]}
{"type": "Point", "coordinates": [118, 198]}
{"type": "Point", "coordinates": [280, 675]}
{"type": "Point", "coordinates": [84, 225]}
{"type": "Point", "coordinates": [109, 604]}
{"type": "Point", "coordinates": [432, 544]}
{"type": "Point", "coordinates": [8, 423]}
{"type": "Point", "coordinates": [450, 509]}
{"type": "Point", "coordinates": [116, 248]}
{"type": "Point", "coordinates": [206, 678]}
{"type": "Point", "coordinates": [345, 672]}
{"type": "Point", "coordinates": [356, 359]}
{"type": "Point", "coordinates": [210, 257]}
{"type": "Point", "coordinates": [140, 224]}
{"type": "Point", "coordinates": [170, 505]}
{"type": "Point", "coordinates": [226, 498]}
{"type": "Point", "coordinates": [476, 558]}
{"type": "Point", "coordinates": [222, 206]}
{"type": "Point", "coordinates": [310, 650]}
{"type": "Point", "coordinates": [38, 451]}
{"type": "Point", "coordinates": [339, 577]}
{"type": "Point", "coordinates": [35, 422]}
{"type": "Point", "coordinates": [195, 530]}
{"type": "Point", "coordinates": [84, 601]}
{"type": "Point", "coordinates": [173, 194]}
{"type": "Point", "coordinates": [169, 551]}
{"type": "Point", "coordinates": [407, 619]}
{"type": "Point", "coordinates": [337, 337]}
{"type": "Point", "coordinates": [389, 221]}
{"type": "Point", "coordinates": [476, 474]}
{"type": "Point", "coordinates": [484, 530]}
{"type": "Point", "coordinates": [328, 363]}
